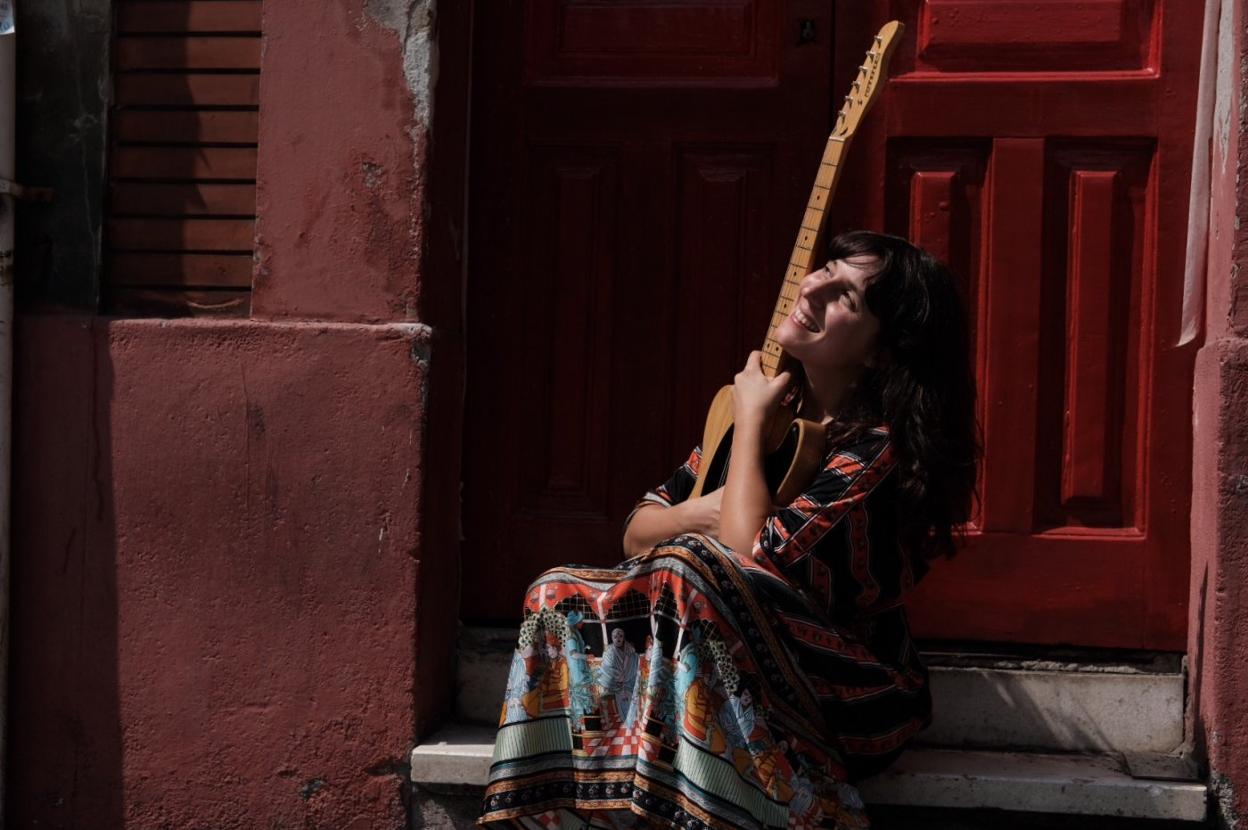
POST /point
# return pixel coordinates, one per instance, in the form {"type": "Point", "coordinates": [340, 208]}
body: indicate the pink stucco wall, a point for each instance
{"type": "Point", "coordinates": [227, 612]}
{"type": "Point", "coordinates": [216, 580]}
{"type": "Point", "coordinates": [1218, 625]}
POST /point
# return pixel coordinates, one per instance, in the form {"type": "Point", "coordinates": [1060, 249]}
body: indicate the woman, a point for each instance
{"type": "Point", "coordinates": [779, 667]}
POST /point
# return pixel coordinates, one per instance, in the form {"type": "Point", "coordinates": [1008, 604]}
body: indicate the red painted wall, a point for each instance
{"type": "Point", "coordinates": [227, 612]}
{"type": "Point", "coordinates": [216, 573]}
{"type": "Point", "coordinates": [1218, 627]}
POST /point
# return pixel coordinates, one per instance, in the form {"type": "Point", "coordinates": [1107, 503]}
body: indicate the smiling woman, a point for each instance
{"type": "Point", "coordinates": [750, 662]}
{"type": "Point", "coordinates": [831, 322]}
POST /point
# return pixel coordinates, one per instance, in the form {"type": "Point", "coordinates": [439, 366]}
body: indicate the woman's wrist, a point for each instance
{"type": "Point", "coordinates": [748, 424]}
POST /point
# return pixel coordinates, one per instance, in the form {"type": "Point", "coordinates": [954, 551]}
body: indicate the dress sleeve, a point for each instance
{"type": "Point", "coordinates": [848, 476]}
{"type": "Point", "coordinates": [676, 489]}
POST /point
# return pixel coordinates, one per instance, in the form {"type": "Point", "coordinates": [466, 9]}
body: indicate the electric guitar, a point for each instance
{"type": "Point", "coordinates": [795, 446]}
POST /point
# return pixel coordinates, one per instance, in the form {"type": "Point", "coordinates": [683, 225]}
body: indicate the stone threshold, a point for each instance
{"type": "Point", "coordinates": [1045, 701]}
{"type": "Point", "coordinates": [459, 756]}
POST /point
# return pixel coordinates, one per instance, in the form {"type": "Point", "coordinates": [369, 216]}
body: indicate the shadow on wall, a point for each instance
{"type": "Point", "coordinates": [65, 743]}
{"type": "Point", "coordinates": [62, 109]}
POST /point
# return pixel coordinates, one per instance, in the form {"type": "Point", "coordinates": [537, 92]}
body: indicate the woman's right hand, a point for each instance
{"type": "Point", "coordinates": [652, 524]}
{"type": "Point", "coordinates": [704, 513]}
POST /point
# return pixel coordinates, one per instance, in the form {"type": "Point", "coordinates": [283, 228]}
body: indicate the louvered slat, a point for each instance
{"type": "Point", "coordinates": [184, 163]}
{"type": "Point", "coordinates": [187, 16]}
{"type": "Point", "coordinates": [181, 234]}
{"type": "Point", "coordinates": [194, 127]}
{"type": "Point", "coordinates": [191, 199]}
{"type": "Point", "coordinates": [160, 302]}
{"type": "Point", "coordinates": [181, 269]}
{"type": "Point", "coordinates": [191, 52]}
{"type": "Point", "coordinates": [139, 89]}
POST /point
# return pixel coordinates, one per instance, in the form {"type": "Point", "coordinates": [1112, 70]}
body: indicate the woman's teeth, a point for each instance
{"type": "Point", "coordinates": [804, 321]}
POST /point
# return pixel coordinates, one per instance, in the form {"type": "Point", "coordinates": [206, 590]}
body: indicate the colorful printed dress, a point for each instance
{"type": "Point", "coordinates": [692, 687]}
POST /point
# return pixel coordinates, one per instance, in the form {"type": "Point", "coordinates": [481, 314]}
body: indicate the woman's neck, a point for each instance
{"type": "Point", "coordinates": [824, 396]}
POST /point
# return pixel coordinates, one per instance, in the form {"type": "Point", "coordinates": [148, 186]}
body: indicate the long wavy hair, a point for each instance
{"type": "Point", "coordinates": [922, 385]}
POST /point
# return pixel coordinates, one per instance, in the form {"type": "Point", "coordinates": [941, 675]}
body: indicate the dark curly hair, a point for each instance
{"type": "Point", "coordinates": [921, 385]}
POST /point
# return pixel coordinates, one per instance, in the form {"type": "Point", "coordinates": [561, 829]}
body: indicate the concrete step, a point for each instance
{"type": "Point", "coordinates": [457, 761]}
{"type": "Point", "coordinates": [985, 700]}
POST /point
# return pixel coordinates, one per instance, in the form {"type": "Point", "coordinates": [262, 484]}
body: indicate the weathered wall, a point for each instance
{"type": "Point", "coordinates": [216, 573]}
{"type": "Point", "coordinates": [227, 613]}
{"type": "Point", "coordinates": [343, 133]}
{"type": "Point", "coordinates": [1218, 628]}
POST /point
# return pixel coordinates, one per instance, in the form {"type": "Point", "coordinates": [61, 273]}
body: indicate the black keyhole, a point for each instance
{"type": "Point", "coordinates": [805, 32]}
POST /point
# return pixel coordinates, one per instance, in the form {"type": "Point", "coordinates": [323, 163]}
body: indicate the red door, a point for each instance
{"type": "Point", "coordinates": [1044, 148]}
{"type": "Point", "coordinates": [638, 172]}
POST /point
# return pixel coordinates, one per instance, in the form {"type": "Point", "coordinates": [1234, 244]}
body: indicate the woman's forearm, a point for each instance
{"type": "Point", "coordinates": [747, 501]}
{"type": "Point", "coordinates": [653, 523]}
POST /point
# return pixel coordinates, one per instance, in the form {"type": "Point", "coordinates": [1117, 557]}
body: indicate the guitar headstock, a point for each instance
{"type": "Point", "coordinates": [870, 79]}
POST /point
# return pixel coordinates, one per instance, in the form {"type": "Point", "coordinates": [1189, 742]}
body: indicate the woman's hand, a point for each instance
{"type": "Point", "coordinates": [704, 513]}
{"type": "Point", "coordinates": [756, 397]}
{"type": "Point", "coordinates": [653, 523]}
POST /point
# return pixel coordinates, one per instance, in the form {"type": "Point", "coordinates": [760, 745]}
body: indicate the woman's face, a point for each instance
{"type": "Point", "coordinates": [830, 327]}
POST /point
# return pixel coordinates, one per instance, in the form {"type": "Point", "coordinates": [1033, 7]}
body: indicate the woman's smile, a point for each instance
{"type": "Point", "coordinates": [806, 321]}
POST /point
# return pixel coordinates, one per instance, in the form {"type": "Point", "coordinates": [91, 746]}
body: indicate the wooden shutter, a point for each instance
{"type": "Point", "coordinates": [182, 157]}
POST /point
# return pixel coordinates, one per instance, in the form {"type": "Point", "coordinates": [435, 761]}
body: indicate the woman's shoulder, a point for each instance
{"type": "Point", "coordinates": [868, 445]}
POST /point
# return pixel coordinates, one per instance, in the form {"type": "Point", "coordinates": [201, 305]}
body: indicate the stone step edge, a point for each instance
{"type": "Point", "coordinates": [1088, 785]}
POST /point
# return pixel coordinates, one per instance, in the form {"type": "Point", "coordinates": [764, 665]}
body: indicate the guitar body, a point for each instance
{"type": "Point", "coordinates": [795, 446]}
{"type": "Point", "coordinates": [794, 451]}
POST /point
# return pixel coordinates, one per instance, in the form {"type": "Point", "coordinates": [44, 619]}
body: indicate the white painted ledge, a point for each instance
{"type": "Point", "coordinates": [1087, 785]}
{"type": "Point", "coordinates": [458, 754]}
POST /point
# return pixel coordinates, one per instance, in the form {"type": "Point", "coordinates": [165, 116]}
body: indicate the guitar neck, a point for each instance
{"type": "Point", "coordinates": [807, 250]}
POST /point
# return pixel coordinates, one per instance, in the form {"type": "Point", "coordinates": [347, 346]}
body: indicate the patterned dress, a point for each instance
{"type": "Point", "coordinates": [692, 687]}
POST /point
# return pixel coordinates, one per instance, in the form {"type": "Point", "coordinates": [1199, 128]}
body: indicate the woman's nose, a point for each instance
{"type": "Point", "coordinates": [813, 281]}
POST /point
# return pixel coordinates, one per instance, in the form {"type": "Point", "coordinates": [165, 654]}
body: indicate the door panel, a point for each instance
{"type": "Point", "coordinates": [1052, 36]}
{"type": "Point", "coordinates": [642, 43]}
